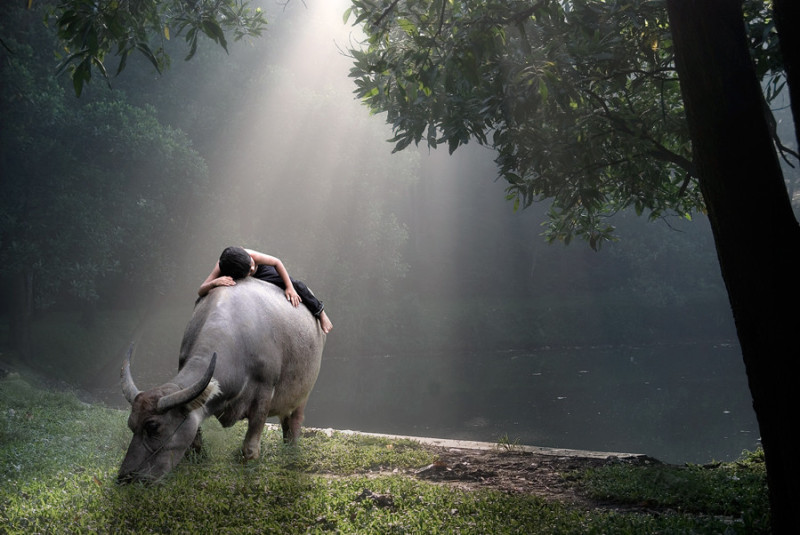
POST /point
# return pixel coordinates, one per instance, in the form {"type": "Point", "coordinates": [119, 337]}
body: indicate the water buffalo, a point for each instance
{"type": "Point", "coordinates": [246, 353]}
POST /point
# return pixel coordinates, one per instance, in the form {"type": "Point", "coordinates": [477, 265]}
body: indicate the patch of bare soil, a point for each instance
{"type": "Point", "coordinates": [509, 470]}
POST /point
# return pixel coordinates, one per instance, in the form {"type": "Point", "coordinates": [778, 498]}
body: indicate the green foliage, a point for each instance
{"type": "Point", "coordinates": [58, 459]}
{"type": "Point", "coordinates": [505, 443]}
{"type": "Point", "coordinates": [101, 206]}
{"type": "Point", "coordinates": [579, 99]}
{"type": "Point", "coordinates": [737, 489]}
{"type": "Point", "coordinates": [92, 30]}
{"type": "Point", "coordinates": [93, 189]}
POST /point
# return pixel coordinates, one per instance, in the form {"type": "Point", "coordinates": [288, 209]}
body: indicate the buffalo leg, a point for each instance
{"type": "Point", "coordinates": [197, 443]}
{"type": "Point", "coordinates": [251, 448]}
{"type": "Point", "coordinates": [291, 425]}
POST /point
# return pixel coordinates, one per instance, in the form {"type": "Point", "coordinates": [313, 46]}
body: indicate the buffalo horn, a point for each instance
{"type": "Point", "coordinates": [129, 389]}
{"type": "Point", "coordinates": [190, 392]}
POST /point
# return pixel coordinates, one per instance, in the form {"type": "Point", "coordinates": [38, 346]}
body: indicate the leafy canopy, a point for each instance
{"type": "Point", "coordinates": [579, 99]}
{"type": "Point", "coordinates": [91, 30]}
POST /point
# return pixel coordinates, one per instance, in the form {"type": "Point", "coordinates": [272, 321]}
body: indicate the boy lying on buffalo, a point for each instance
{"type": "Point", "coordinates": [237, 262]}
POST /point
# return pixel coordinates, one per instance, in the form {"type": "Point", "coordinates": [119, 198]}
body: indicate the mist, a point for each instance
{"type": "Point", "coordinates": [452, 316]}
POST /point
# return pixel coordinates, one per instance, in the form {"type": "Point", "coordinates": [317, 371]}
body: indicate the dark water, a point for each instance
{"type": "Point", "coordinates": [687, 403]}
{"type": "Point", "coordinates": [677, 403]}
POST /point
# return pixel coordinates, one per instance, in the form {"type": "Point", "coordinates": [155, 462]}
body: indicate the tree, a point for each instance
{"type": "Point", "coordinates": [583, 104]}
{"type": "Point", "coordinates": [92, 30]}
{"type": "Point", "coordinates": [93, 190]}
{"type": "Point", "coordinates": [759, 261]}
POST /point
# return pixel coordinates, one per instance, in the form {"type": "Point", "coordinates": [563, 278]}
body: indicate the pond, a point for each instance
{"type": "Point", "coordinates": [677, 403]}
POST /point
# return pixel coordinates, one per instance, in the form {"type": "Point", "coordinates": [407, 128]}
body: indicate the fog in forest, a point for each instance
{"type": "Point", "coordinates": [452, 316]}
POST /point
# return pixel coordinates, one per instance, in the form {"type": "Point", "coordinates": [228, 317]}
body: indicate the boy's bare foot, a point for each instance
{"type": "Point", "coordinates": [325, 323]}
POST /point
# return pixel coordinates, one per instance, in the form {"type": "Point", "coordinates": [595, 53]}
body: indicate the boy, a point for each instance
{"type": "Point", "coordinates": [237, 262]}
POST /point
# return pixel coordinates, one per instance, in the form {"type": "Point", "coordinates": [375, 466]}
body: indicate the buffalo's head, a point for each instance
{"type": "Point", "coordinates": [164, 422]}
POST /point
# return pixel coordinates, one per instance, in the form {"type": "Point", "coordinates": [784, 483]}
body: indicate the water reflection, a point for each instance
{"type": "Point", "coordinates": [680, 403]}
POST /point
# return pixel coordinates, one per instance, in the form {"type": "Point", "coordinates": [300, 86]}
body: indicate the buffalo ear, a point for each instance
{"type": "Point", "coordinates": [211, 391]}
{"type": "Point", "coordinates": [129, 389]}
{"type": "Point", "coordinates": [188, 394]}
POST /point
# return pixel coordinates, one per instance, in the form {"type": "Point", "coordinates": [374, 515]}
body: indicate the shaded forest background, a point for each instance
{"type": "Point", "coordinates": [116, 206]}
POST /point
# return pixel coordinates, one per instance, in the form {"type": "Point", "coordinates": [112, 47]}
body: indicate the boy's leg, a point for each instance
{"type": "Point", "coordinates": [270, 275]}
{"type": "Point", "coordinates": [309, 299]}
{"type": "Point", "coordinates": [313, 304]}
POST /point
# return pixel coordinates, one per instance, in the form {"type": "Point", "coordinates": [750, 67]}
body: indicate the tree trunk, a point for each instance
{"type": "Point", "coordinates": [756, 235]}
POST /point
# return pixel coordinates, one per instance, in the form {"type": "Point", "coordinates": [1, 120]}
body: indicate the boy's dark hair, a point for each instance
{"type": "Point", "coordinates": [234, 262]}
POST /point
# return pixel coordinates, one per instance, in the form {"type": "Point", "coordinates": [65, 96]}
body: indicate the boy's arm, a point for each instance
{"type": "Point", "coordinates": [213, 280]}
{"type": "Point", "coordinates": [264, 259]}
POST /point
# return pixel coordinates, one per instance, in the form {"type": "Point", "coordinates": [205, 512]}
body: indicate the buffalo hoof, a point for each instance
{"type": "Point", "coordinates": [251, 452]}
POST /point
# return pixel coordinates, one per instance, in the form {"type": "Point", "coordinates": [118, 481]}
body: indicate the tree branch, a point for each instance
{"type": "Point", "coordinates": [385, 13]}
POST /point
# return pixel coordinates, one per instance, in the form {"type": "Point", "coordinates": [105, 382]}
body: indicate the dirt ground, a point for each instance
{"type": "Point", "coordinates": [518, 471]}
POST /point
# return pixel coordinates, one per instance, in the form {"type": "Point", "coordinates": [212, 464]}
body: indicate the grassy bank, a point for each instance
{"type": "Point", "coordinates": [59, 456]}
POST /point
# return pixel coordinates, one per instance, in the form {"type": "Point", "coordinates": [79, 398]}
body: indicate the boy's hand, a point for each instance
{"type": "Point", "coordinates": [293, 297]}
{"type": "Point", "coordinates": [223, 281]}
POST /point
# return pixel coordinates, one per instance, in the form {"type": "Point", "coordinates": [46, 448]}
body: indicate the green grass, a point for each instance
{"type": "Point", "coordinates": [59, 457]}
{"type": "Point", "coordinates": [735, 490]}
